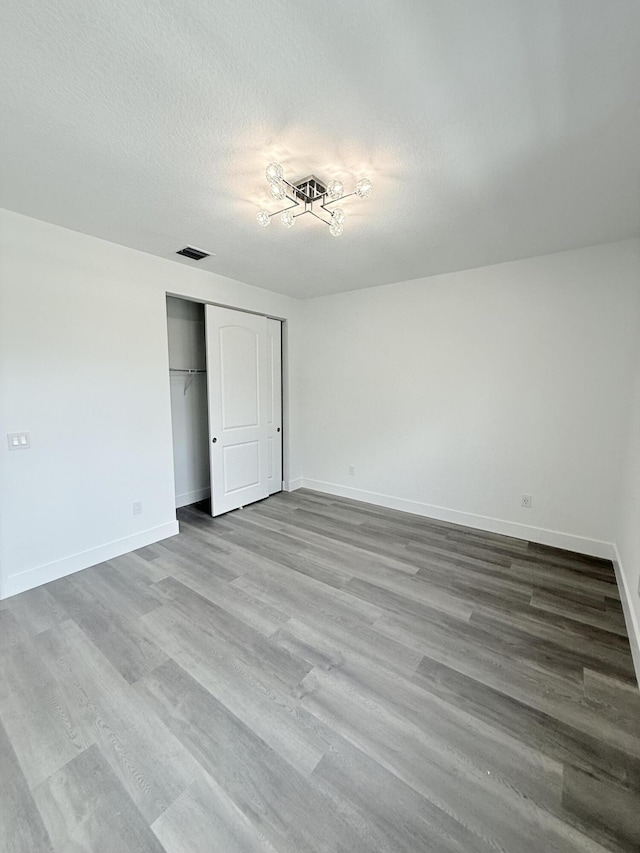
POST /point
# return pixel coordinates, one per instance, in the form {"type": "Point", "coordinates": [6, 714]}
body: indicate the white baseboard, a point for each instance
{"type": "Point", "coordinates": [188, 498]}
{"type": "Point", "coordinates": [540, 535]}
{"type": "Point", "coordinates": [23, 581]}
{"type": "Point", "coordinates": [631, 621]}
{"type": "Point", "coordinates": [292, 485]}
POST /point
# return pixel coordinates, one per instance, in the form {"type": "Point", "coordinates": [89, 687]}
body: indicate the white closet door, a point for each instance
{"type": "Point", "coordinates": [237, 370]}
{"type": "Point", "coordinates": [274, 414]}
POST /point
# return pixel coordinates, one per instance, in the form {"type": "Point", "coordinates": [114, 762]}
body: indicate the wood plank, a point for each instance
{"type": "Point", "coordinates": [21, 827]}
{"type": "Point", "coordinates": [149, 763]}
{"type": "Point", "coordinates": [439, 769]}
{"type": "Point", "coordinates": [610, 808]}
{"type": "Point", "coordinates": [284, 806]}
{"type": "Point", "coordinates": [111, 620]}
{"type": "Point", "coordinates": [85, 807]}
{"type": "Point", "coordinates": [256, 695]}
{"type": "Point", "coordinates": [205, 820]}
{"type": "Point", "coordinates": [44, 729]}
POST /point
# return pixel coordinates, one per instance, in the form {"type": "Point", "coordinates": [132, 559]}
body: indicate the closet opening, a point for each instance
{"type": "Point", "coordinates": [189, 420]}
{"type": "Point", "coordinates": [226, 405]}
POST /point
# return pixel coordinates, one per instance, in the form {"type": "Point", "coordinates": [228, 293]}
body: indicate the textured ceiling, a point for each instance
{"type": "Point", "coordinates": [492, 130]}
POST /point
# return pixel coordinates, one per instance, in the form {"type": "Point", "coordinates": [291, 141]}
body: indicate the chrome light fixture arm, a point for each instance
{"type": "Point", "coordinates": [289, 207]}
{"type": "Point", "coordinates": [334, 200]}
{"type": "Point", "coordinates": [317, 217]}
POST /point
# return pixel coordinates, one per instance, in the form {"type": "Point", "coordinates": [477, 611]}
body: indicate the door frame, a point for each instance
{"type": "Point", "coordinates": [284, 376]}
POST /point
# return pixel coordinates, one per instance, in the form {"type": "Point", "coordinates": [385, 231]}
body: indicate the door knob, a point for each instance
{"type": "Point", "coordinates": [278, 429]}
{"type": "Point", "coordinates": [213, 440]}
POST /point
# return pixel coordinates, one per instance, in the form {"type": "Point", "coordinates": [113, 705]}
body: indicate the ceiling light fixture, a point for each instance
{"type": "Point", "coordinates": [311, 194]}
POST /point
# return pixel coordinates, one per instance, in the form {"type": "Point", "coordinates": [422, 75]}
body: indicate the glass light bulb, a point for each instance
{"type": "Point", "coordinates": [278, 191]}
{"type": "Point", "coordinates": [364, 187]}
{"type": "Point", "coordinates": [338, 216]}
{"type": "Point", "coordinates": [335, 189]}
{"type": "Point", "coordinates": [336, 229]}
{"type": "Point", "coordinates": [274, 173]}
{"type": "Point", "coordinates": [263, 217]}
{"type": "Point", "coordinates": [288, 219]}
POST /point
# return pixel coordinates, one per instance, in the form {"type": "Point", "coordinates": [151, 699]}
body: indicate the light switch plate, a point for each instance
{"type": "Point", "coordinates": [18, 440]}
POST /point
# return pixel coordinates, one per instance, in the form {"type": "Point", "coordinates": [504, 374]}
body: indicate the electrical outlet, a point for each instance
{"type": "Point", "coordinates": [352, 470]}
{"type": "Point", "coordinates": [526, 501]}
{"type": "Point", "coordinates": [137, 507]}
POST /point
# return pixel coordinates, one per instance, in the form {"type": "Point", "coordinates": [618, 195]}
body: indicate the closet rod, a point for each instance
{"type": "Point", "coordinates": [191, 374]}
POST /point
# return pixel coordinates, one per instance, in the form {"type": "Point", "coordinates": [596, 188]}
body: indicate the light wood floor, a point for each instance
{"type": "Point", "coordinates": [313, 674]}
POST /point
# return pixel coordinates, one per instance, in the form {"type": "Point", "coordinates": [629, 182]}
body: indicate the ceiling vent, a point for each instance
{"type": "Point", "coordinates": [193, 253]}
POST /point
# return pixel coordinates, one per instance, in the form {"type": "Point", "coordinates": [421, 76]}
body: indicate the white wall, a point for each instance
{"type": "Point", "coordinates": [628, 528]}
{"type": "Point", "coordinates": [189, 420]}
{"type": "Point", "coordinates": [454, 395]}
{"type": "Point", "coordinates": [84, 368]}
{"type": "Point", "coordinates": [451, 395]}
